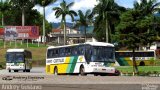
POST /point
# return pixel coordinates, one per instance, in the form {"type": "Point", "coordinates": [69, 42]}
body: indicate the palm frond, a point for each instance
{"type": "Point", "coordinates": [73, 12]}
{"type": "Point", "coordinates": [70, 4]}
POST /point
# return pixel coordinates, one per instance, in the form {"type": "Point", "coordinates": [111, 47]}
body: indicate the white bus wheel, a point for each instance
{"type": "Point", "coordinates": [55, 71]}
{"type": "Point", "coordinates": [82, 72]}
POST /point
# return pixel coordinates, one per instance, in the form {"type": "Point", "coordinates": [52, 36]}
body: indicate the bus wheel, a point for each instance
{"type": "Point", "coordinates": [55, 71]}
{"type": "Point", "coordinates": [82, 73]}
{"type": "Point", "coordinates": [15, 70]}
{"type": "Point", "coordinates": [28, 70]}
{"type": "Point", "coordinates": [142, 64]}
{"type": "Point", "coordinates": [9, 70]}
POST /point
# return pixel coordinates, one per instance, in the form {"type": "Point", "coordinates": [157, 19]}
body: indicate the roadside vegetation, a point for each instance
{"type": "Point", "coordinates": [143, 70]}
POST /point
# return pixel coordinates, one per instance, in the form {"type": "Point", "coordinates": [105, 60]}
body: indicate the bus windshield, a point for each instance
{"type": "Point", "coordinates": [15, 57]}
{"type": "Point", "coordinates": [103, 54]}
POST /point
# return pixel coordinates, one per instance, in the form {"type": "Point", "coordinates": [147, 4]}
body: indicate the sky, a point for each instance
{"type": "Point", "coordinates": [78, 5]}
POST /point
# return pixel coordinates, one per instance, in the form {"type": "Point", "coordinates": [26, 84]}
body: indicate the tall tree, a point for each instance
{"type": "Point", "coordinates": [63, 11]}
{"type": "Point", "coordinates": [4, 6]}
{"type": "Point", "coordinates": [84, 20]}
{"type": "Point", "coordinates": [136, 27]}
{"type": "Point", "coordinates": [22, 5]}
{"type": "Point", "coordinates": [105, 10]}
{"type": "Point", "coordinates": [44, 3]}
{"type": "Point", "coordinates": [147, 6]}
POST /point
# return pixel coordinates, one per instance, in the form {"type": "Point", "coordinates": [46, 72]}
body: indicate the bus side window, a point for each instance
{"type": "Point", "coordinates": [74, 50]}
{"type": "Point", "coordinates": [55, 53]}
{"type": "Point", "coordinates": [67, 51]}
{"type": "Point", "coordinates": [88, 53]}
{"type": "Point", "coordinates": [50, 53]}
{"type": "Point", "coordinates": [62, 52]}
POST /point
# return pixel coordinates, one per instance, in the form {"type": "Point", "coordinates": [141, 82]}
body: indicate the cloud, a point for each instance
{"type": "Point", "coordinates": [38, 8]}
{"type": "Point", "coordinates": [125, 3]}
{"type": "Point", "coordinates": [78, 5]}
{"type": "Point", "coordinates": [52, 18]}
{"type": "Point", "coordinates": [84, 4]}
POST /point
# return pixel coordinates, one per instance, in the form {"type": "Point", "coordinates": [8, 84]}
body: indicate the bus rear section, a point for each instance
{"type": "Point", "coordinates": [89, 58]}
{"type": "Point", "coordinates": [18, 59]}
{"type": "Point", "coordinates": [143, 58]}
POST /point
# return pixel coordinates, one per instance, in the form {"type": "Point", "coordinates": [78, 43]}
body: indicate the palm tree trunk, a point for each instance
{"type": "Point", "coordinates": [23, 17]}
{"type": "Point", "coordinates": [64, 32]}
{"type": "Point", "coordinates": [44, 25]}
{"type": "Point", "coordinates": [2, 20]}
{"type": "Point", "coordinates": [85, 34]}
{"type": "Point", "coordinates": [107, 31]}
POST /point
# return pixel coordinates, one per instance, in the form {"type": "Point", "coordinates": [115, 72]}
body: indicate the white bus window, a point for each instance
{"type": "Point", "coordinates": [10, 57]}
{"type": "Point", "coordinates": [19, 57]}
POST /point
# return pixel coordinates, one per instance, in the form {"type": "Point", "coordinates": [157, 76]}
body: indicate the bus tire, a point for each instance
{"type": "Point", "coordinates": [9, 70]}
{"type": "Point", "coordinates": [15, 70]}
{"type": "Point", "coordinates": [141, 63]}
{"type": "Point", "coordinates": [55, 71]}
{"type": "Point", "coordinates": [24, 70]}
{"type": "Point", "coordinates": [82, 72]}
{"type": "Point", "coordinates": [28, 70]}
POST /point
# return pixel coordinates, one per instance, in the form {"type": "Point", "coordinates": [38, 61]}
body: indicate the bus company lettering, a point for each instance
{"type": "Point", "coordinates": [59, 60]}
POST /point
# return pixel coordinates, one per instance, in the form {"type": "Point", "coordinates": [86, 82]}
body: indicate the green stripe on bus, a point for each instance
{"type": "Point", "coordinates": [69, 64]}
{"type": "Point", "coordinates": [122, 62]}
{"type": "Point", "coordinates": [74, 61]}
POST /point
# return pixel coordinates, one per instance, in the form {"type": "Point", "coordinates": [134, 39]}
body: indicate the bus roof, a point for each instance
{"type": "Point", "coordinates": [15, 50]}
{"type": "Point", "coordinates": [90, 43]}
{"type": "Point", "coordinates": [138, 51]}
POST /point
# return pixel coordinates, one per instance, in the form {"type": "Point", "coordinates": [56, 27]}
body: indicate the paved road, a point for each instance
{"type": "Point", "coordinates": [38, 78]}
{"type": "Point", "coordinates": [34, 71]}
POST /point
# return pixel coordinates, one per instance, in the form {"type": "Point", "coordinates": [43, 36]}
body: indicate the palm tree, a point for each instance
{"type": "Point", "coordinates": [44, 3]}
{"type": "Point", "coordinates": [63, 11]}
{"type": "Point", "coordinates": [105, 10]}
{"type": "Point", "coordinates": [22, 5]}
{"type": "Point", "coordinates": [4, 6]}
{"type": "Point", "coordinates": [84, 20]}
{"type": "Point", "coordinates": [147, 6]}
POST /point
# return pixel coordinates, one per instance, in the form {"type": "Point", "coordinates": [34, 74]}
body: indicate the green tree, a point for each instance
{"type": "Point", "coordinates": [63, 11]}
{"type": "Point", "coordinates": [84, 20]}
{"type": "Point", "coordinates": [147, 6]}
{"type": "Point", "coordinates": [105, 11]}
{"type": "Point", "coordinates": [4, 6]}
{"type": "Point", "coordinates": [44, 3]}
{"type": "Point", "coordinates": [136, 31]}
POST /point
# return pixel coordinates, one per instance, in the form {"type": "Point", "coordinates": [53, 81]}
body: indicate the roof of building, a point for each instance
{"type": "Point", "coordinates": [56, 30]}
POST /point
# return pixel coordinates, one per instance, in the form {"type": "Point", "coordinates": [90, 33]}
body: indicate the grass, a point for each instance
{"type": "Point", "coordinates": [38, 53]}
{"type": "Point", "coordinates": [141, 69]}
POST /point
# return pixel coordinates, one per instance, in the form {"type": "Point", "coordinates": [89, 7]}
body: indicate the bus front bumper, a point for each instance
{"type": "Point", "coordinates": [15, 67]}
{"type": "Point", "coordinates": [111, 70]}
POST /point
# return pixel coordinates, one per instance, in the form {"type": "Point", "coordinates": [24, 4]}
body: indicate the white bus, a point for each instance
{"type": "Point", "coordinates": [18, 59]}
{"type": "Point", "coordinates": [88, 58]}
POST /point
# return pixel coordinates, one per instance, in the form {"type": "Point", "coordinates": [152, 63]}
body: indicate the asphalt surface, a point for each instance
{"type": "Point", "coordinates": [37, 79]}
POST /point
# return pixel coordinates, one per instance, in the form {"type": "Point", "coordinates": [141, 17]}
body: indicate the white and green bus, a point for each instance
{"type": "Point", "coordinates": [18, 59]}
{"type": "Point", "coordinates": [88, 58]}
